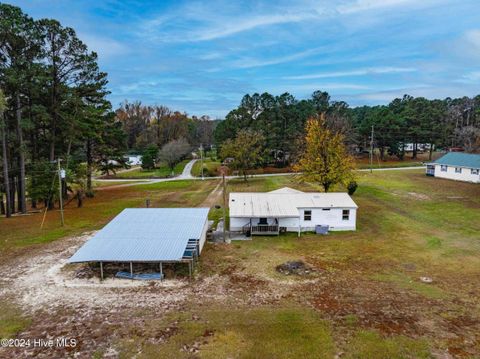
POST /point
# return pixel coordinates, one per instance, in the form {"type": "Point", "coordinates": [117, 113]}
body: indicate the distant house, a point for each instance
{"type": "Point", "coordinates": [409, 147]}
{"type": "Point", "coordinates": [457, 166]}
{"type": "Point", "coordinates": [289, 210]}
{"type": "Point", "coordinates": [134, 160]}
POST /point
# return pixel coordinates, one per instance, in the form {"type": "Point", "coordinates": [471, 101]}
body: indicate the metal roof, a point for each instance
{"type": "Point", "coordinates": [285, 203]}
{"type": "Point", "coordinates": [459, 159]}
{"type": "Point", "coordinates": [286, 190]}
{"type": "Point", "coordinates": [144, 235]}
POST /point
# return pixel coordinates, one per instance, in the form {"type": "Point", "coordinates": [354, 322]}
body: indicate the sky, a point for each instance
{"type": "Point", "coordinates": [201, 57]}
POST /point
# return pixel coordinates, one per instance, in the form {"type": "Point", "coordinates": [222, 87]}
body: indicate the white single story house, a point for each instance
{"type": "Point", "coordinates": [289, 210]}
{"type": "Point", "coordinates": [456, 166]}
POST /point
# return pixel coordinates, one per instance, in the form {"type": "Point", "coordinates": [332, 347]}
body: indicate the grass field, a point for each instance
{"type": "Point", "coordinates": [160, 172]}
{"type": "Point", "coordinates": [210, 168]}
{"type": "Point", "coordinates": [362, 299]}
{"type": "Point", "coordinates": [24, 231]}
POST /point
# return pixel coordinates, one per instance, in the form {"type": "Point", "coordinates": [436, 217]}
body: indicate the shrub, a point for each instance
{"type": "Point", "coordinates": [352, 187]}
{"type": "Point", "coordinates": [149, 157]}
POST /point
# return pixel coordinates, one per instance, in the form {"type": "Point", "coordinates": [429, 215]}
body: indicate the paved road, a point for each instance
{"type": "Point", "coordinates": [187, 175]}
{"type": "Point", "coordinates": [187, 171]}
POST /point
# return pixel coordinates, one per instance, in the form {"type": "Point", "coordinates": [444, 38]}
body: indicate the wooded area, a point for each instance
{"type": "Point", "coordinates": [416, 121]}
{"type": "Point", "coordinates": [56, 109]}
{"type": "Point", "coordinates": [56, 115]}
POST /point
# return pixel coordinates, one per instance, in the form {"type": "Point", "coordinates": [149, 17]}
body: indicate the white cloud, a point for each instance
{"type": "Point", "coordinates": [472, 41]}
{"type": "Point", "coordinates": [104, 47]}
{"type": "Point", "coordinates": [240, 25]}
{"type": "Point", "coordinates": [465, 47]}
{"type": "Point", "coordinates": [359, 72]}
{"type": "Point", "coordinates": [369, 5]}
{"type": "Point", "coordinates": [252, 62]}
{"type": "Point", "coordinates": [471, 77]}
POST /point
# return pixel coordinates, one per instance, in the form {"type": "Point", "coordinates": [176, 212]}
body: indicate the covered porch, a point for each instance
{"type": "Point", "coordinates": [262, 227]}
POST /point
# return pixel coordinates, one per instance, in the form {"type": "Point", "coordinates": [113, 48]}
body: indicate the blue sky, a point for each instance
{"type": "Point", "coordinates": [203, 56]}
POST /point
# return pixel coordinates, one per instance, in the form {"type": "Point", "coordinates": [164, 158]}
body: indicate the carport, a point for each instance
{"type": "Point", "coordinates": [148, 235]}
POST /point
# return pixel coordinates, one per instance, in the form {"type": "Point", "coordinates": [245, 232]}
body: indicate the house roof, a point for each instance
{"type": "Point", "coordinates": [284, 203]}
{"type": "Point", "coordinates": [459, 159]}
{"type": "Point", "coordinates": [144, 235]}
{"type": "Point", "coordinates": [286, 190]}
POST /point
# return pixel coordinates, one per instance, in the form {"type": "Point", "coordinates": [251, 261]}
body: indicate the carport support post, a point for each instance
{"type": "Point", "coordinates": [101, 270]}
{"type": "Point", "coordinates": [131, 269]}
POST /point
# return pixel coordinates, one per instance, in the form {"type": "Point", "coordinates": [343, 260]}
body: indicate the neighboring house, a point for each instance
{"type": "Point", "coordinates": [289, 210]}
{"type": "Point", "coordinates": [409, 147]}
{"type": "Point", "coordinates": [134, 160]}
{"type": "Point", "coordinates": [457, 166]}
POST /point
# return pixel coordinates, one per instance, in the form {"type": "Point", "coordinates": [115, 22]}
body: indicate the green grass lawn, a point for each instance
{"type": "Point", "coordinates": [161, 172]}
{"type": "Point", "coordinates": [101, 184]}
{"type": "Point", "coordinates": [363, 298]}
{"type": "Point", "coordinates": [210, 168]}
{"type": "Point", "coordinates": [268, 332]}
{"type": "Point", "coordinates": [24, 231]}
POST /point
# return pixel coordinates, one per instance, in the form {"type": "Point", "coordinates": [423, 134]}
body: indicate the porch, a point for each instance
{"type": "Point", "coordinates": [262, 227]}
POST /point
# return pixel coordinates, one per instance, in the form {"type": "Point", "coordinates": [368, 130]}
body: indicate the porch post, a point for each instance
{"type": "Point", "coordinates": [299, 227]}
{"type": "Point", "coordinates": [131, 269]}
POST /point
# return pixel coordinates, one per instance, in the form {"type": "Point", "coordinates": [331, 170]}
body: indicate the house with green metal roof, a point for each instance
{"type": "Point", "coordinates": [457, 166]}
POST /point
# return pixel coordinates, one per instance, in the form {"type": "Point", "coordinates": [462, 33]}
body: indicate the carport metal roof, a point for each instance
{"type": "Point", "coordinates": [145, 235]}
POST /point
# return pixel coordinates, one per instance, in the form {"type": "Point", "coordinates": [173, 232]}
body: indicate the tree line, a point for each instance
{"type": "Point", "coordinates": [162, 134]}
{"type": "Point", "coordinates": [54, 108]}
{"type": "Point", "coordinates": [281, 120]}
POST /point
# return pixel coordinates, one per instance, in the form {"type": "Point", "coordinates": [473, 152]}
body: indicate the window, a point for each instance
{"type": "Point", "coordinates": [475, 171]}
{"type": "Point", "coordinates": [263, 221]}
{"type": "Point", "coordinates": [443, 168]}
{"type": "Point", "coordinates": [346, 214]}
{"type": "Point", "coordinates": [307, 215]}
{"type": "Point", "coordinates": [458, 170]}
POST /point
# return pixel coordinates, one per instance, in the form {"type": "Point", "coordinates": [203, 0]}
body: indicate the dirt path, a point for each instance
{"type": "Point", "coordinates": [215, 197]}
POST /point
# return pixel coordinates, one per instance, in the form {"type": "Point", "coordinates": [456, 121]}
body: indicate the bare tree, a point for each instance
{"type": "Point", "coordinates": [469, 137]}
{"type": "Point", "coordinates": [174, 151]}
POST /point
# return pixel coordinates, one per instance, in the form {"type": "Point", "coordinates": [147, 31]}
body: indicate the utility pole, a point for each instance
{"type": "Point", "coordinates": [224, 207]}
{"type": "Point", "coordinates": [201, 159]}
{"type": "Point", "coordinates": [60, 192]}
{"type": "Point", "coordinates": [371, 151]}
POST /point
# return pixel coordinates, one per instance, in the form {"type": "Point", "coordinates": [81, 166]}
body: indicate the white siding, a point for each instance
{"type": "Point", "coordinates": [332, 217]}
{"type": "Point", "coordinates": [237, 223]}
{"type": "Point", "coordinates": [466, 174]}
{"type": "Point", "coordinates": [203, 237]}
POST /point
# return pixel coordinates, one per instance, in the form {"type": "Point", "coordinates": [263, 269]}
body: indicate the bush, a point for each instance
{"type": "Point", "coordinates": [352, 187]}
{"type": "Point", "coordinates": [149, 157]}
